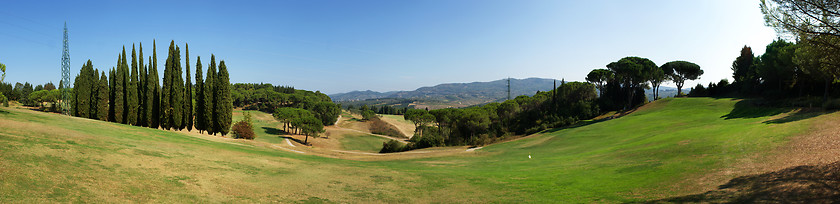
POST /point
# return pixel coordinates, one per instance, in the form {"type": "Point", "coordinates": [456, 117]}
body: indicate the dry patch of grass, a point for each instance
{"type": "Point", "coordinates": [405, 127]}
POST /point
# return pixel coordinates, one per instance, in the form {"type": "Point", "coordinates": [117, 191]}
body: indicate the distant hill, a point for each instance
{"type": "Point", "coordinates": [359, 95]}
{"type": "Point", "coordinates": [665, 92]}
{"type": "Point", "coordinates": [462, 93]}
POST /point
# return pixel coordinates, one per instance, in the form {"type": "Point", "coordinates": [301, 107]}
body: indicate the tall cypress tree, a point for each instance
{"type": "Point", "coordinates": [188, 102]}
{"type": "Point", "coordinates": [119, 92]}
{"type": "Point", "coordinates": [126, 84]}
{"type": "Point", "coordinates": [209, 92]}
{"type": "Point", "coordinates": [82, 91]}
{"type": "Point", "coordinates": [142, 120]}
{"type": "Point", "coordinates": [199, 97]}
{"type": "Point", "coordinates": [132, 89]}
{"type": "Point", "coordinates": [177, 90]}
{"type": "Point", "coordinates": [94, 93]}
{"type": "Point", "coordinates": [155, 88]}
{"type": "Point", "coordinates": [166, 92]}
{"type": "Point", "coordinates": [111, 93]}
{"type": "Point", "coordinates": [224, 104]}
{"type": "Point", "coordinates": [102, 97]}
{"type": "Point", "coordinates": [151, 87]}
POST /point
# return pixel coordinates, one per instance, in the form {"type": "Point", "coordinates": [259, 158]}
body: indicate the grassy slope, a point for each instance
{"type": "Point", "coordinates": [633, 158]}
{"type": "Point", "coordinates": [637, 157]}
{"type": "Point", "coordinates": [404, 126]}
{"type": "Point", "coordinates": [362, 142]}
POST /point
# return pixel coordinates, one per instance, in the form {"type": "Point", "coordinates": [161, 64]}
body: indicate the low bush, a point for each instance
{"type": "Point", "coordinates": [392, 146]}
{"type": "Point", "coordinates": [241, 130]}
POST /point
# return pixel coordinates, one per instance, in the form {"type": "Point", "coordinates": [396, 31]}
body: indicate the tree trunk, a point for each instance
{"type": "Point", "coordinates": [656, 92]}
{"type": "Point", "coordinates": [630, 97]}
{"type": "Point", "coordinates": [679, 87]}
{"type": "Point", "coordinates": [306, 140]}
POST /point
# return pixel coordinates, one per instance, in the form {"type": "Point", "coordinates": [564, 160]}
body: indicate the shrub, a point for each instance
{"type": "Point", "coordinates": [392, 146]}
{"type": "Point", "coordinates": [242, 130]}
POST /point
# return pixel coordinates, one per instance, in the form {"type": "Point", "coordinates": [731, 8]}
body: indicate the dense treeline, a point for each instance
{"type": "Point", "coordinates": [795, 73]}
{"type": "Point", "coordinates": [623, 83]}
{"type": "Point", "coordinates": [786, 70]}
{"type": "Point", "coordinates": [383, 109]}
{"type": "Point", "coordinates": [135, 96]}
{"type": "Point", "coordinates": [42, 96]}
{"type": "Point", "coordinates": [268, 98]}
{"type": "Point", "coordinates": [621, 87]}
{"type": "Point", "coordinates": [565, 105]}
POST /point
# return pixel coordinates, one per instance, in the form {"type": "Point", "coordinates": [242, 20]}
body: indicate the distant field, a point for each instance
{"type": "Point", "coordinates": [669, 148]}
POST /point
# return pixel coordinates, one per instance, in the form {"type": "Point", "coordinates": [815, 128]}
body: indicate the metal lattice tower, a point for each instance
{"type": "Point", "coordinates": [508, 86]}
{"type": "Point", "coordinates": [65, 75]}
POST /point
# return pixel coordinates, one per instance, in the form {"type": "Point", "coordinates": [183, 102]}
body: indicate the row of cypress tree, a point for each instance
{"type": "Point", "coordinates": [135, 96]}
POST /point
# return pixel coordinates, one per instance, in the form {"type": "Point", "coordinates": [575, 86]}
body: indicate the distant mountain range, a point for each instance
{"type": "Point", "coordinates": [472, 93]}
{"type": "Point", "coordinates": [461, 94]}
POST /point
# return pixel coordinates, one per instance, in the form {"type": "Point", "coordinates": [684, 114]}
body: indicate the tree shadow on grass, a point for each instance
{"type": "Point", "coordinates": [799, 115]}
{"type": "Point", "coordinates": [293, 139]}
{"type": "Point", "coordinates": [576, 125]}
{"type": "Point", "coordinates": [800, 184]}
{"type": "Point", "coordinates": [280, 133]}
{"type": "Point", "coordinates": [753, 108]}
{"type": "Point", "coordinates": [274, 131]}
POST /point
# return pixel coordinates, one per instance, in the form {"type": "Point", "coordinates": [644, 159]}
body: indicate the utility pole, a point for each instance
{"type": "Point", "coordinates": [65, 75]}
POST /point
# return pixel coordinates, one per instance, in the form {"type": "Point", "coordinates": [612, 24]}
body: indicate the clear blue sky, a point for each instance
{"type": "Point", "coordinates": [340, 46]}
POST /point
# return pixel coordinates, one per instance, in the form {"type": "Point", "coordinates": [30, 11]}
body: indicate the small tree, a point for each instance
{"type": "Point", "coordinates": [656, 78]}
{"type": "Point", "coordinates": [419, 117]}
{"type": "Point", "coordinates": [3, 98]}
{"type": "Point", "coordinates": [243, 130]}
{"type": "Point", "coordinates": [285, 116]}
{"type": "Point", "coordinates": [679, 71]}
{"type": "Point", "coordinates": [600, 77]}
{"type": "Point", "coordinates": [633, 73]}
{"type": "Point", "coordinates": [247, 118]}
{"type": "Point", "coordinates": [2, 69]}
{"type": "Point", "coordinates": [311, 126]}
{"type": "Point", "coordinates": [368, 114]}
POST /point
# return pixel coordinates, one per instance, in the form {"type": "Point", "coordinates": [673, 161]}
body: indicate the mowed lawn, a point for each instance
{"type": "Point", "coordinates": [664, 149]}
{"type": "Point", "coordinates": [362, 142]}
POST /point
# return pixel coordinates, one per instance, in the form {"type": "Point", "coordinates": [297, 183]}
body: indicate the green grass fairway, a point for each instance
{"type": "Point", "coordinates": [662, 150]}
{"type": "Point", "coordinates": [362, 142]}
{"type": "Point", "coordinates": [265, 127]}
